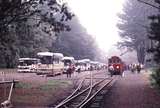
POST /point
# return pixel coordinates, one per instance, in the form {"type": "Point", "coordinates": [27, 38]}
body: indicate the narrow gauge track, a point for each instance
{"type": "Point", "coordinates": [81, 97]}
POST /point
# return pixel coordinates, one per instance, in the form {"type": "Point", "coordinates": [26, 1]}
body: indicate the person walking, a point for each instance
{"type": "Point", "coordinates": [133, 68]}
{"type": "Point", "coordinates": [111, 70]}
{"type": "Point", "coordinates": [69, 71]}
{"type": "Point", "coordinates": [79, 70]}
{"type": "Point", "coordinates": [138, 68]}
{"type": "Point", "coordinates": [91, 68]}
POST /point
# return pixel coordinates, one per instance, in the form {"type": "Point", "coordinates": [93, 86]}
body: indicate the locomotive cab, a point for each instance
{"type": "Point", "coordinates": [115, 65]}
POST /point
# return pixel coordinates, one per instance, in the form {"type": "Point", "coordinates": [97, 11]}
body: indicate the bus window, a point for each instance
{"type": "Point", "coordinates": [56, 60]}
{"type": "Point", "coordinates": [46, 60]}
{"type": "Point", "coordinates": [67, 62]}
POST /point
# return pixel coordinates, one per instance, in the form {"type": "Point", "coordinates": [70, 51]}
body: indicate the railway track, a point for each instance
{"type": "Point", "coordinates": [82, 97]}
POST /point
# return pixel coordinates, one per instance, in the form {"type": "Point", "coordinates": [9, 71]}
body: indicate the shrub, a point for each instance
{"type": "Point", "coordinates": [156, 77]}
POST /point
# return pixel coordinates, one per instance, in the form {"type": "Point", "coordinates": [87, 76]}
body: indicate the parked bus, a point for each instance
{"type": "Point", "coordinates": [27, 64]}
{"type": "Point", "coordinates": [94, 65]}
{"type": "Point", "coordinates": [67, 62]}
{"type": "Point", "coordinates": [50, 63]}
{"type": "Point", "coordinates": [84, 64]}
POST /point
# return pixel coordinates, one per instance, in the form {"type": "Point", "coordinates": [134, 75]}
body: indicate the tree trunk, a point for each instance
{"type": "Point", "coordinates": [141, 53]}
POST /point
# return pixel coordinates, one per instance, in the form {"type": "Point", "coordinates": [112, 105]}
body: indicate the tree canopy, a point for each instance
{"type": "Point", "coordinates": [133, 26]}
{"type": "Point", "coordinates": [27, 26]}
{"type": "Point", "coordinates": [30, 26]}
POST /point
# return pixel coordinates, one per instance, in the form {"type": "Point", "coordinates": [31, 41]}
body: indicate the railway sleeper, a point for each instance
{"type": "Point", "coordinates": [95, 105]}
{"type": "Point", "coordinates": [96, 102]}
{"type": "Point", "coordinates": [82, 97]}
{"type": "Point", "coordinates": [99, 98]}
{"type": "Point", "coordinates": [103, 92]}
{"type": "Point", "coordinates": [74, 105]}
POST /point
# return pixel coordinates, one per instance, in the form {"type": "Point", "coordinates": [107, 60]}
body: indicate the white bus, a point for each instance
{"type": "Point", "coordinates": [27, 64]}
{"type": "Point", "coordinates": [68, 61]}
{"type": "Point", "coordinates": [84, 64]}
{"type": "Point", "coordinates": [50, 63]}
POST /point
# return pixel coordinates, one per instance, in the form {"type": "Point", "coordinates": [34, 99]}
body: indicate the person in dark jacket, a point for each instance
{"type": "Point", "coordinates": [138, 68]}
{"type": "Point", "coordinates": [79, 70]}
{"type": "Point", "coordinates": [69, 71]}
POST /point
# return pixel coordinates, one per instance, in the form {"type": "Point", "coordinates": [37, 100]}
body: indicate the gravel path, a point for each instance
{"type": "Point", "coordinates": [132, 91]}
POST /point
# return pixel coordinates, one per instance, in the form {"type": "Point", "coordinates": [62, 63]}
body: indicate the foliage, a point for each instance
{"type": "Point", "coordinates": [30, 26]}
{"type": "Point", "coordinates": [18, 20]}
{"type": "Point", "coordinates": [133, 28]}
{"type": "Point", "coordinates": [156, 78]}
{"type": "Point", "coordinates": [154, 36]}
{"type": "Point", "coordinates": [77, 42]}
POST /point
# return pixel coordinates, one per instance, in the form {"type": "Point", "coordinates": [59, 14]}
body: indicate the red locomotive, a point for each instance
{"type": "Point", "coordinates": [115, 65]}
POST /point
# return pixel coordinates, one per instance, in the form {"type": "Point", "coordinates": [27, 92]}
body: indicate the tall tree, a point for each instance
{"type": "Point", "coordinates": [17, 36]}
{"type": "Point", "coordinates": [154, 36]}
{"type": "Point", "coordinates": [133, 28]}
{"type": "Point", "coordinates": [77, 42]}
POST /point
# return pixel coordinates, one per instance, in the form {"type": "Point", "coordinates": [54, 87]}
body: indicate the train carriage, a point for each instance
{"type": "Point", "coordinates": [115, 65]}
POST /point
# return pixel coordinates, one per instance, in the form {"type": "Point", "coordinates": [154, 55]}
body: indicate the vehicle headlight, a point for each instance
{"type": "Point", "coordinates": [117, 67]}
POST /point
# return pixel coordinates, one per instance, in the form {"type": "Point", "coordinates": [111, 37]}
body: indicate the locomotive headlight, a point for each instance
{"type": "Point", "coordinates": [117, 67]}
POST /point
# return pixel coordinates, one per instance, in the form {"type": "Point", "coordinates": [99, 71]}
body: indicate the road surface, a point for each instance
{"type": "Point", "coordinates": [132, 91]}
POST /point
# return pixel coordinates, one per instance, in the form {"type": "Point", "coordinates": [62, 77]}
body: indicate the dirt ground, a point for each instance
{"type": "Point", "coordinates": [133, 91]}
{"type": "Point", "coordinates": [34, 91]}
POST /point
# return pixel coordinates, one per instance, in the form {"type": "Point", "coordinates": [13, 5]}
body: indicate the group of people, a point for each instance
{"type": "Point", "coordinates": [135, 67]}
{"type": "Point", "coordinates": [70, 70]}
